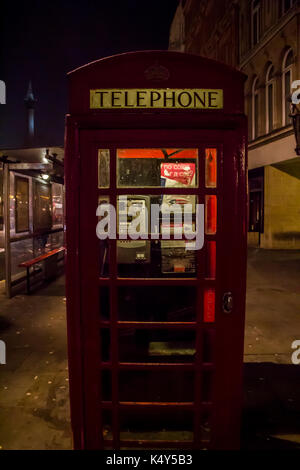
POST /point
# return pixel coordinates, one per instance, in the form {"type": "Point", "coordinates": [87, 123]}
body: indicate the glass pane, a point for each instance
{"type": "Point", "coordinates": [155, 303]}
{"type": "Point", "coordinates": [22, 204]}
{"type": "Point", "coordinates": [42, 208]}
{"type": "Point", "coordinates": [146, 168]}
{"type": "Point", "coordinates": [255, 28]}
{"type": "Point", "coordinates": [103, 244]}
{"type": "Point", "coordinates": [141, 219]}
{"type": "Point", "coordinates": [206, 428]}
{"type": "Point", "coordinates": [270, 74]}
{"type": "Point", "coordinates": [105, 344]}
{"type": "Point", "coordinates": [210, 260]}
{"type": "Point", "coordinates": [106, 386]}
{"type": "Point", "coordinates": [155, 259]}
{"type": "Point", "coordinates": [208, 345]}
{"type": "Point", "coordinates": [57, 239]}
{"type": "Point", "coordinates": [286, 5]}
{"type": "Point", "coordinates": [103, 258]}
{"type": "Point", "coordinates": [21, 251]}
{"type": "Point", "coordinates": [209, 305]}
{"type": "Point", "coordinates": [287, 94]}
{"type": "Point", "coordinates": [57, 205]}
{"type": "Point", "coordinates": [107, 425]}
{"type": "Point", "coordinates": [157, 425]}
{"type": "Point", "coordinates": [41, 244]}
{"type": "Point", "coordinates": [176, 259]}
{"type": "Point", "coordinates": [210, 215]}
{"type": "Point", "coordinates": [134, 214]}
{"type": "Point", "coordinates": [289, 59]}
{"type": "Point", "coordinates": [211, 168]}
{"type": "Point", "coordinates": [156, 386]}
{"type": "Point", "coordinates": [167, 346]}
{"type": "Point", "coordinates": [104, 303]}
{"type": "Point", "coordinates": [270, 110]}
{"type": "Point", "coordinates": [256, 115]}
{"type": "Point", "coordinates": [103, 168]}
{"type": "Point", "coordinates": [145, 215]}
{"type": "Point", "coordinates": [207, 385]}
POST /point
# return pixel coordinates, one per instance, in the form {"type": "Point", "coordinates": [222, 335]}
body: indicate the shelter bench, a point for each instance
{"type": "Point", "coordinates": [38, 259]}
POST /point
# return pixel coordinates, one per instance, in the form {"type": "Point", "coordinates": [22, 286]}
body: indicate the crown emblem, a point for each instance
{"type": "Point", "coordinates": [157, 73]}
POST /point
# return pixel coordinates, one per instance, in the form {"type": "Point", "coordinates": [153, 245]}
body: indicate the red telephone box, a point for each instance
{"type": "Point", "coordinates": [155, 331]}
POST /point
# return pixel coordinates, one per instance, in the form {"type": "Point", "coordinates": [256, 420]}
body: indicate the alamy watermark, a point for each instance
{"type": "Point", "coordinates": [2, 92]}
{"type": "Point", "coordinates": [2, 352]}
{"type": "Point", "coordinates": [296, 94]}
{"type": "Point", "coordinates": [133, 221]}
{"type": "Point", "coordinates": [296, 353]}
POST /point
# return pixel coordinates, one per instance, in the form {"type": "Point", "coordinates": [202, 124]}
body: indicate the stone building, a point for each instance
{"type": "Point", "coordinates": [261, 38]}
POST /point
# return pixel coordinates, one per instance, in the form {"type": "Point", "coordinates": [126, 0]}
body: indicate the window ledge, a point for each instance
{"type": "Point", "coordinates": [272, 136]}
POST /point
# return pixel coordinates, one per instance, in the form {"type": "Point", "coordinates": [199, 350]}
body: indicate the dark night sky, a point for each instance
{"type": "Point", "coordinates": [43, 40]}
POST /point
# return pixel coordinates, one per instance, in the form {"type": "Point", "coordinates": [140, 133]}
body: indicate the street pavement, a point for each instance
{"type": "Point", "coordinates": [271, 418]}
{"type": "Point", "coordinates": [34, 404]}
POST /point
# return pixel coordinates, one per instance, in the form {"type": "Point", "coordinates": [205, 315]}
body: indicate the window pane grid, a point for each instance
{"type": "Point", "coordinates": [201, 422]}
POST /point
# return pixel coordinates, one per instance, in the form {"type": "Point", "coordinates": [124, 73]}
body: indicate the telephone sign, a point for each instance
{"type": "Point", "coordinates": [156, 98]}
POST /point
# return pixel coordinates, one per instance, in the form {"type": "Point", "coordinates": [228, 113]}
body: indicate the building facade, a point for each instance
{"type": "Point", "coordinates": [261, 38]}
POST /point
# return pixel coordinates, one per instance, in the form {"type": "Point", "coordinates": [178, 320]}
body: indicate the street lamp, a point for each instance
{"type": "Point", "coordinates": [295, 115]}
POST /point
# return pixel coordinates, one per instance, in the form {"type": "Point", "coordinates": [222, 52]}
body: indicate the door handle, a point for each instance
{"type": "Point", "coordinates": [227, 302]}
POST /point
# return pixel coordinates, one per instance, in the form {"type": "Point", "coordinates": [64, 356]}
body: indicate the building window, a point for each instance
{"type": "Point", "coordinates": [286, 85]}
{"type": "Point", "coordinates": [255, 108]}
{"type": "Point", "coordinates": [286, 5]}
{"type": "Point", "coordinates": [270, 99]}
{"type": "Point", "coordinates": [255, 21]}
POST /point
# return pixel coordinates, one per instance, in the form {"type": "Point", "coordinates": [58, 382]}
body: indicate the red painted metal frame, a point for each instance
{"type": "Point", "coordinates": [225, 131]}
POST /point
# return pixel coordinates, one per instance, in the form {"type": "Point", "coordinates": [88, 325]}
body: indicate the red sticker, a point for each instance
{"type": "Point", "coordinates": [183, 173]}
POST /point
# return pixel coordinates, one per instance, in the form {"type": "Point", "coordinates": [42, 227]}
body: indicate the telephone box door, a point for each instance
{"type": "Point", "coordinates": [161, 324]}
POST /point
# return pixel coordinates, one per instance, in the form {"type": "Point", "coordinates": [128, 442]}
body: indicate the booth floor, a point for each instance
{"type": "Point", "coordinates": [34, 404]}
